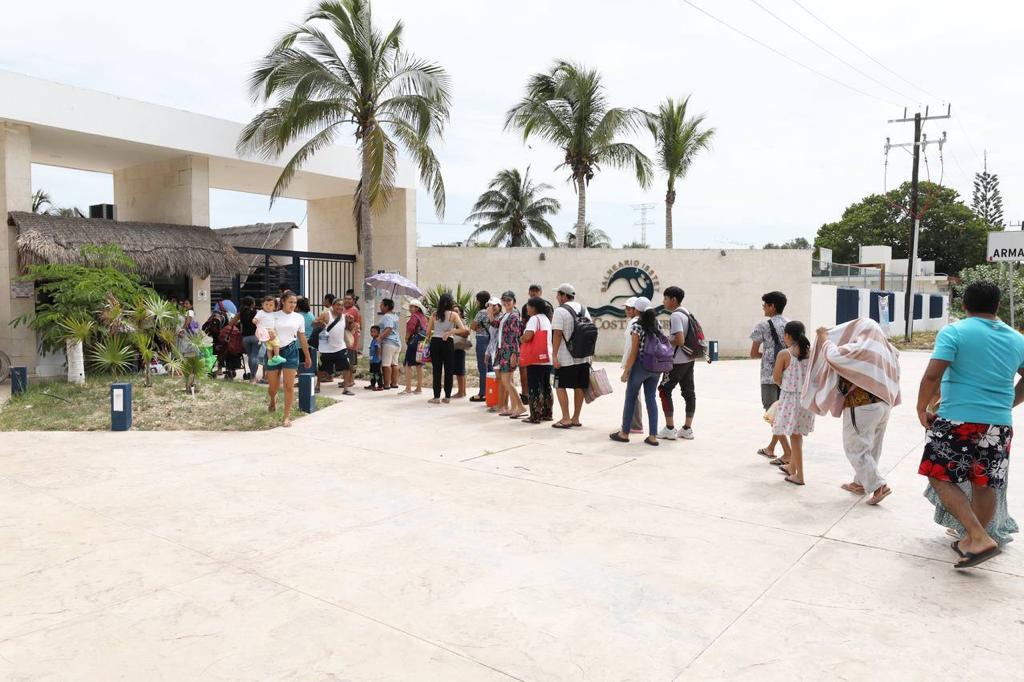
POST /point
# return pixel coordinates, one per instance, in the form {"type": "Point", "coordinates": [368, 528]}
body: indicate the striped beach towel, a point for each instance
{"type": "Point", "coordinates": [859, 352]}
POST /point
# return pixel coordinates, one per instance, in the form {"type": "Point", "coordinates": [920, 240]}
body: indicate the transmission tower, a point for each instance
{"type": "Point", "coordinates": [644, 221]}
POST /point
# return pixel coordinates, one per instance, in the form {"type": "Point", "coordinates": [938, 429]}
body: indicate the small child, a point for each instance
{"type": "Point", "coordinates": [265, 332]}
{"type": "Point", "coordinates": [791, 418]}
{"type": "Point", "coordinates": [376, 376]}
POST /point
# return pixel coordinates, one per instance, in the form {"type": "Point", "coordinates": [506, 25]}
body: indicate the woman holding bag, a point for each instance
{"type": "Point", "coordinates": [415, 333]}
{"type": "Point", "coordinates": [535, 355]}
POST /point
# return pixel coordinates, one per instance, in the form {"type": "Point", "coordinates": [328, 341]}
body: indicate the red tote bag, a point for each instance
{"type": "Point", "coordinates": [535, 351]}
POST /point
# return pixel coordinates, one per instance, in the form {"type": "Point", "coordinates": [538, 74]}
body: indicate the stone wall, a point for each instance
{"type": "Point", "coordinates": [723, 288]}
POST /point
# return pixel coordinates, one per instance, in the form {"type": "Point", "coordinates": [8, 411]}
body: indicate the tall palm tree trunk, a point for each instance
{"type": "Point", "coordinates": [365, 221]}
{"type": "Point", "coordinates": [581, 211]}
{"type": "Point", "coordinates": [670, 199]}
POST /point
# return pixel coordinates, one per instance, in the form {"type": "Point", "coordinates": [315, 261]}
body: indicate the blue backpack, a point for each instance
{"type": "Point", "coordinates": [657, 353]}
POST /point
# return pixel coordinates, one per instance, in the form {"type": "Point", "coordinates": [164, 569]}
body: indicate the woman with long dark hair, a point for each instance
{"type": "Point", "coordinates": [644, 330]}
{"type": "Point", "coordinates": [443, 324]}
{"type": "Point", "coordinates": [290, 328]}
{"type": "Point", "coordinates": [537, 339]}
{"type": "Point", "coordinates": [249, 340]}
{"type": "Point", "coordinates": [481, 325]}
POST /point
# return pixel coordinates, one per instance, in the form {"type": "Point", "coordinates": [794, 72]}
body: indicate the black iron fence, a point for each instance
{"type": "Point", "coordinates": [308, 273]}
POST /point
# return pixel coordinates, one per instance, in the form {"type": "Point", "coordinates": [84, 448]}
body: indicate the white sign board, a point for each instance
{"type": "Point", "coordinates": [824, 257]}
{"type": "Point", "coordinates": [1005, 247]}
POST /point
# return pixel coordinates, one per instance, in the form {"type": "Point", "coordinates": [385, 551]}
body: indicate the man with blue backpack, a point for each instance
{"type": "Point", "coordinates": [650, 355]}
{"type": "Point", "coordinates": [687, 338]}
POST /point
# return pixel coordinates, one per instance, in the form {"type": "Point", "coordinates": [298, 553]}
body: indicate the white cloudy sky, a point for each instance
{"type": "Point", "coordinates": [793, 149]}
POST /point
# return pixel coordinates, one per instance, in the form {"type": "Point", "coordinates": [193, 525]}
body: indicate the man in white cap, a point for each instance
{"type": "Point", "coordinates": [638, 414]}
{"type": "Point", "coordinates": [571, 372]}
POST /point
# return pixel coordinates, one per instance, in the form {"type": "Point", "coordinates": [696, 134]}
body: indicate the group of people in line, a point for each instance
{"type": "Point", "coordinates": [965, 403]}
{"type": "Point", "coordinates": [851, 371]}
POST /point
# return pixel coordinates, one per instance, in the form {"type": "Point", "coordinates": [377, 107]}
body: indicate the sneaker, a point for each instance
{"type": "Point", "coordinates": [667, 434]}
{"type": "Point", "coordinates": [685, 433]}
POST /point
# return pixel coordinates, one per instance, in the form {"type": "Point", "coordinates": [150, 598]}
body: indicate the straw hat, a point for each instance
{"type": "Point", "coordinates": [416, 302]}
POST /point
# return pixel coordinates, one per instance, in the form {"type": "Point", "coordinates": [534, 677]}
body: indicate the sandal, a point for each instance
{"type": "Point", "coordinates": [477, 399]}
{"type": "Point", "coordinates": [617, 437]}
{"type": "Point", "coordinates": [764, 452]}
{"type": "Point", "coordinates": [790, 479]}
{"type": "Point", "coordinates": [434, 401]}
{"type": "Point", "coordinates": [853, 488]}
{"type": "Point", "coordinates": [653, 442]}
{"type": "Point", "coordinates": [886, 491]}
{"type": "Point", "coordinates": [778, 461]}
{"type": "Point", "coordinates": [560, 425]}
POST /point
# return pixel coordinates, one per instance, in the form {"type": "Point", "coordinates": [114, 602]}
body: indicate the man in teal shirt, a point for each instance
{"type": "Point", "coordinates": [975, 361]}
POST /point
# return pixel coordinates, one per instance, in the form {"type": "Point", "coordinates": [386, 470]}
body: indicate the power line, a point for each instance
{"type": "Point", "coordinates": [828, 51]}
{"type": "Point", "coordinates": [854, 46]}
{"type": "Point", "coordinates": [786, 56]}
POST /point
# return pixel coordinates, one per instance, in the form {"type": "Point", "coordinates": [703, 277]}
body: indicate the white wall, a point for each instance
{"type": "Point", "coordinates": [723, 288]}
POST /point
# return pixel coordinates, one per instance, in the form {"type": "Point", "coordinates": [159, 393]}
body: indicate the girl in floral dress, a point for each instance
{"type": "Point", "coordinates": [506, 361]}
{"type": "Point", "coordinates": [791, 419]}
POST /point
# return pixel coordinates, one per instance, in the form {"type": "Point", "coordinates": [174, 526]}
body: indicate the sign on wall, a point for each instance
{"type": "Point", "coordinates": [1005, 247]}
{"type": "Point", "coordinates": [624, 280]}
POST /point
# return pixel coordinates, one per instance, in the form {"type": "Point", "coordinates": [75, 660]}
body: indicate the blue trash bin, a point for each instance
{"type": "Point", "coordinates": [307, 393]}
{"type": "Point", "coordinates": [120, 407]}
{"type": "Point", "coordinates": [19, 380]}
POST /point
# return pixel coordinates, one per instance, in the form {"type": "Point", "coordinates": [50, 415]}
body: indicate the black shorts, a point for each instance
{"type": "Point", "coordinates": [963, 451]}
{"type": "Point", "coordinates": [334, 362]}
{"type": "Point", "coordinates": [573, 376]}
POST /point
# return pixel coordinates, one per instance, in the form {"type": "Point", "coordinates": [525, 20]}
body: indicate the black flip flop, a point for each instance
{"type": "Point", "coordinates": [654, 443]}
{"type": "Point", "coordinates": [956, 547]}
{"type": "Point", "coordinates": [617, 438]}
{"type": "Point", "coordinates": [558, 425]}
{"type": "Point", "coordinates": [574, 426]}
{"type": "Point", "coordinates": [789, 479]}
{"type": "Point", "coordinates": [971, 559]}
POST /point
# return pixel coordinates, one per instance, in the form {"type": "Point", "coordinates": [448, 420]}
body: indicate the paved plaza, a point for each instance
{"type": "Point", "coordinates": [385, 538]}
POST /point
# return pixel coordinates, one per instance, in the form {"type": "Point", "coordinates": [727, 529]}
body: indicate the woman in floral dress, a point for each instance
{"type": "Point", "coordinates": [791, 419]}
{"type": "Point", "coordinates": [506, 360]}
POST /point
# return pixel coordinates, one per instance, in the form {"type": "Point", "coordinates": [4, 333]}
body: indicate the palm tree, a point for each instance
{"type": "Point", "coordinates": [678, 139]}
{"type": "Point", "coordinates": [41, 202]}
{"type": "Point", "coordinates": [593, 238]}
{"type": "Point", "coordinates": [373, 87]}
{"type": "Point", "coordinates": [513, 210]}
{"type": "Point", "coordinates": [566, 106]}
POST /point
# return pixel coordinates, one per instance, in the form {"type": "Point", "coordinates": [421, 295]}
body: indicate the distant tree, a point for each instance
{"type": "Point", "coordinates": [566, 106]}
{"type": "Point", "coordinates": [593, 238]}
{"type": "Point", "coordinates": [635, 245]}
{"type": "Point", "coordinates": [513, 212]}
{"type": "Point", "coordinates": [678, 139]}
{"type": "Point", "coordinates": [951, 234]}
{"type": "Point", "coordinates": [41, 202]}
{"type": "Point", "coordinates": [798, 243]}
{"type": "Point", "coordinates": [987, 202]}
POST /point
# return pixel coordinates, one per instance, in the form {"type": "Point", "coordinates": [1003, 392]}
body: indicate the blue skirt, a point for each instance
{"type": "Point", "coordinates": [290, 353]}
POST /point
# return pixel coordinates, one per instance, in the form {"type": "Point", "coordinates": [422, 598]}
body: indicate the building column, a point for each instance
{"type": "Point", "coordinates": [171, 191]}
{"type": "Point", "coordinates": [15, 195]}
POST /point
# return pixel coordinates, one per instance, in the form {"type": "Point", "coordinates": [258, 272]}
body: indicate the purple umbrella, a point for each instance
{"type": "Point", "coordinates": [395, 283]}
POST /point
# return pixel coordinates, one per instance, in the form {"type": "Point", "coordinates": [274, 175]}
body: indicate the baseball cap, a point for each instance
{"type": "Point", "coordinates": [508, 296]}
{"type": "Point", "coordinates": [630, 302]}
{"type": "Point", "coordinates": [494, 301]}
{"type": "Point", "coordinates": [567, 289]}
{"type": "Point", "coordinates": [641, 303]}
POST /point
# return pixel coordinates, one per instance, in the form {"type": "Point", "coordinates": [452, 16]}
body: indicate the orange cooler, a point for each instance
{"type": "Point", "coordinates": [492, 389]}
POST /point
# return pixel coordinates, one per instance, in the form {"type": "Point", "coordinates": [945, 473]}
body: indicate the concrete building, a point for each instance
{"type": "Point", "coordinates": [164, 162]}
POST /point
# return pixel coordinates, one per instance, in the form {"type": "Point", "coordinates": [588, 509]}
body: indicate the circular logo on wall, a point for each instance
{"type": "Point", "coordinates": [626, 279]}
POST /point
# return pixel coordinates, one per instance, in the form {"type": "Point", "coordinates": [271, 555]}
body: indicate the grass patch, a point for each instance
{"type": "Point", "coordinates": [219, 405]}
{"type": "Point", "coordinates": [918, 341]}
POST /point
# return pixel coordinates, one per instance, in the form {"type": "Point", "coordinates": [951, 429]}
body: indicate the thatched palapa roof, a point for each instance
{"type": "Point", "coordinates": [158, 249]}
{"type": "Point", "coordinates": [259, 235]}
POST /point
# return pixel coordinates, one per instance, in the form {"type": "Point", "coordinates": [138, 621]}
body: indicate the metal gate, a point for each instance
{"type": "Point", "coordinates": [308, 273]}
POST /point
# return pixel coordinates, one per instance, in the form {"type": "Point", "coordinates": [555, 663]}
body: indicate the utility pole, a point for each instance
{"type": "Point", "coordinates": [644, 220]}
{"type": "Point", "coordinates": [915, 215]}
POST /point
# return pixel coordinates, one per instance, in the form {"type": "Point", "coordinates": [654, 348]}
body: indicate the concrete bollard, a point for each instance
{"type": "Point", "coordinates": [19, 380]}
{"type": "Point", "coordinates": [712, 351]}
{"type": "Point", "coordinates": [120, 407]}
{"type": "Point", "coordinates": [307, 393]}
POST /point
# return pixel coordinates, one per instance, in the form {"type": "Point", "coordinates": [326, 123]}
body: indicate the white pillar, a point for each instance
{"type": "Point", "coordinates": [170, 191]}
{"type": "Point", "coordinates": [15, 195]}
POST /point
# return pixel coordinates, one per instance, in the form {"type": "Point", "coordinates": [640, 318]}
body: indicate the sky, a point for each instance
{"type": "Point", "coordinates": [792, 148]}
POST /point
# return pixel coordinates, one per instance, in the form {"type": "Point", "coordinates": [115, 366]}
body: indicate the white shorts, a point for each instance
{"type": "Point", "coordinates": [389, 355]}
